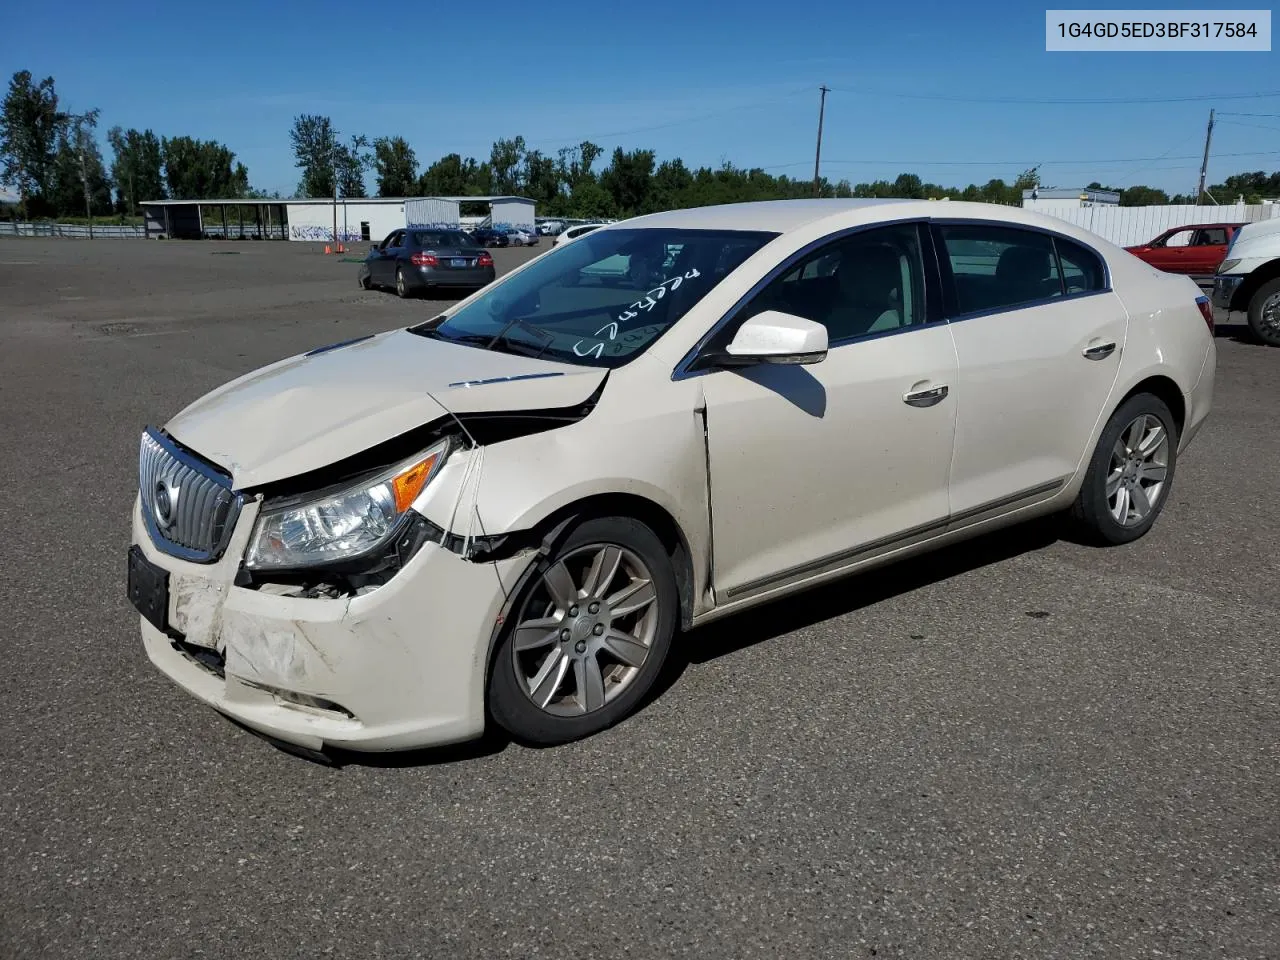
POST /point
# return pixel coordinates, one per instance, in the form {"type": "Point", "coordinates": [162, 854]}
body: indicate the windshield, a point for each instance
{"type": "Point", "coordinates": [429, 239]}
{"type": "Point", "coordinates": [601, 300]}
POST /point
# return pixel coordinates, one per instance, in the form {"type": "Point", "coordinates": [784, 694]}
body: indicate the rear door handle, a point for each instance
{"type": "Point", "coordinates": [1099, 351]}
{"type": "Point", "coordinates": [925, 398]}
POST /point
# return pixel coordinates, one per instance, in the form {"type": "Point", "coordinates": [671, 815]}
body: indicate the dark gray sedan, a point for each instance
{"type": "Point", "coordinates": [415, 260]}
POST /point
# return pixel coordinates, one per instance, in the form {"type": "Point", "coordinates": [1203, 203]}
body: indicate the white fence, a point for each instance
{"type": "Point", "coordinates": [1129, 226]}
{"type": "Point", "coordinates": [101, 231]}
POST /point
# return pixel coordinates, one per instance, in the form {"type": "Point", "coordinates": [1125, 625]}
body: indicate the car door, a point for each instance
{"type": "Point", "coordinates": [379, 267]}
{"type": "Point", "coordinates": [1038, 336]}
{"type": "Point", "coordinates": [1172, 253]}
{"type": "Point", "coordinates": [1207, 249]}
{"type": "Point", "coordinates": [815, 467]}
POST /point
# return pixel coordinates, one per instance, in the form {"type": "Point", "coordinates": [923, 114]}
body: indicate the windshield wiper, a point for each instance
{"type": "Point", "coordinates": [499, 341]}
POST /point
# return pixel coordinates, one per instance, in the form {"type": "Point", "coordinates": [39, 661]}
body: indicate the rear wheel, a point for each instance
{"type": "Point", "coordinates": [402, 290]}
{"type": "Point", "coordinates": [1131, 472]}
{"type": "Point", "coordinates": [1264, 314]}
{"type": "Point", "coordinates": [588, 636]}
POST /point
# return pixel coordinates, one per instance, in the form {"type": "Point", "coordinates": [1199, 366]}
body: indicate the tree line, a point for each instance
{"type": "Point", "coordinates": [52, 157]}
{"type": "Point", "coordinates": [634, 182]}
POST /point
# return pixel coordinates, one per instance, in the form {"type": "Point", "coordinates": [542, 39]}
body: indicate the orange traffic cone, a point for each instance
{"type": "Point", "coordinates": [326, 249]}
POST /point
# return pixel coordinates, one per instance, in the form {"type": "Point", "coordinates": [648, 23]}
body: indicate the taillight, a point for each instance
{"type": "Point", "coordinates": [421, 259]}
{"type": "Point", "coordinates": [1206, 311]}
{"type": "Point", "coordinates": [484, 260]}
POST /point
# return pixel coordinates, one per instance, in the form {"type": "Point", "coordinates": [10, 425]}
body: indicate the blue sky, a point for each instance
{"type": "Point", "coordinates": [707, 82]}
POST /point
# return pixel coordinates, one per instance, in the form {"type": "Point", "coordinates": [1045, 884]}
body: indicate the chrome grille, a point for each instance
{"type": "Point", "coordinates": [188, 505]}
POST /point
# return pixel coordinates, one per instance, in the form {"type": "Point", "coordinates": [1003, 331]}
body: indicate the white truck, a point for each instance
{"type": "Point", "coordinates": [1248, 280]}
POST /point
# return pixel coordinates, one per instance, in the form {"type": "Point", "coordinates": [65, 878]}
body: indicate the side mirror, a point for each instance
{"type": "Point", "coordinates": [775, 337]}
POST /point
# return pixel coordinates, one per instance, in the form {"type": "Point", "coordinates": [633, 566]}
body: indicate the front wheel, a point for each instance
{"type": "Point", "coordinates": [588, 636]}
{"type": "Point", "coordinates": [1264, 314]}
{"type": "Point", "coordinates": [1129, 477]}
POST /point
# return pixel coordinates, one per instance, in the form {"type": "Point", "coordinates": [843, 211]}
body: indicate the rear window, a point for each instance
{"type": "Point", "coordinates": [428, 239]}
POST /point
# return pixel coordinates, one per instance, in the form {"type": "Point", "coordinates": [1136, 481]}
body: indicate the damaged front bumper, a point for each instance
{"type": "Point", "coordinates": [399, 667]}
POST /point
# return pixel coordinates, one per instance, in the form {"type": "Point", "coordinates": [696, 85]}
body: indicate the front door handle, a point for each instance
{"type": "Point", "coordinates": [925, 398]}
{"type": "Point", "coordinates": [1099, 351]}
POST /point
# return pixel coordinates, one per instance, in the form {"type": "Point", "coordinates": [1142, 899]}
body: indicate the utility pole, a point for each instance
{"type": "Point", "coordinates": [1204, 164]}
{"type": "Point", "coordinates": [817, 159]}
{"type": "Point", "coordinates": [333, 163]}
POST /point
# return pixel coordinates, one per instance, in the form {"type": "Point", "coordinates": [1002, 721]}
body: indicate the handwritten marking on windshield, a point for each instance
{"type": "Point", "coordinates": [649, 301]}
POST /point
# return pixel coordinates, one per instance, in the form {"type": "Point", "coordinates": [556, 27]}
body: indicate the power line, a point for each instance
{"type": "Point", "coordinates": [674, 123]}
{"type": "Point", "coordinates": [1242, 123]}
{"type": "Point", "coordinates": [1230, 113]}
{"type": "Point", "coordinates": [1095, 101]}
{"type": "Point", "coordinates": [1008, 162]}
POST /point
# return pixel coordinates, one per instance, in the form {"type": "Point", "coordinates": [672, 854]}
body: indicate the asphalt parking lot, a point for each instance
{"type": "Point", "coordinates": [1019, 747]}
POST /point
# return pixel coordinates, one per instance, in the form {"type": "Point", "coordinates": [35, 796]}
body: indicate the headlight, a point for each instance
{"type": "Point", "coordinates": [343, 524]}
{"type": "Point", "coordinates": [1228, 265]}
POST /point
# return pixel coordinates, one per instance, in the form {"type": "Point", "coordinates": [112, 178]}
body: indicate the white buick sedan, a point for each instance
{"type": "Point", "coordinates": [507, 513]}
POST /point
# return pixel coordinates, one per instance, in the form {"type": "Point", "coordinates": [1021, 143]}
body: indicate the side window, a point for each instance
{"type": "Point", "coordinates": [995, 267]}
{"type": "Point", "coordinates": [1082, 270]}
{"type": "Point", "coordinates": [1211, 237]}
{"type": "Point", "coordinates": [1180, 239]}
{"type": "Point", "coordinates": [870, 282]}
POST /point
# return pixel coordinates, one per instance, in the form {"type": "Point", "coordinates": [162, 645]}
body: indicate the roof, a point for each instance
{"type": "Point", "coordinates": [776, 215]}
{"type": "Point", "coordinates": [783, 216]}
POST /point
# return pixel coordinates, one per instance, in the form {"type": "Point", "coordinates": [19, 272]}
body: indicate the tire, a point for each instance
{"type": "Point", "coordinates": [366, 282]}
{"type": "Point", "coordinates": [543, 639]}
{"type": "Point", "coordinates": [1095, 512]}
{"type": "Point", "coordinates": [1264, 314]}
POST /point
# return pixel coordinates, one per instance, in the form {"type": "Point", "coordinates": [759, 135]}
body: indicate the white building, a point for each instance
{"type": "Point", "coordinates": [1049, 199]}
{"type": "Point", "coordinates": [366, 219]}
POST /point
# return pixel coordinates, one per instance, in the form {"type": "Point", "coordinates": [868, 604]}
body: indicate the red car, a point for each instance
{"type": "Point", "coordinates": [1196, 249]}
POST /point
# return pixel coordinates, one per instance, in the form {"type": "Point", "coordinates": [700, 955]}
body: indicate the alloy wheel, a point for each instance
{"type": "Point", "coordinates": [1138, 469]}
{"type": "Point", "coordinates": [585, 630]}
{"type": "Point", "coordinates": [1269, 316]}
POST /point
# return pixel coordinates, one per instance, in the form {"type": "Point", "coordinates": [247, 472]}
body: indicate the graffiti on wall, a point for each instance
{"type": "Point", "coordinates": [434, 225]}
{"type": "Point", "coordinates": [299, 231]}
{"type": "Point", "coordinates": [506, 226]}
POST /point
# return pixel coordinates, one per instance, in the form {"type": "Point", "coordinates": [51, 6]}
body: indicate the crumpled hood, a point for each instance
{"type": "Point", "coordinates": [308, 411]}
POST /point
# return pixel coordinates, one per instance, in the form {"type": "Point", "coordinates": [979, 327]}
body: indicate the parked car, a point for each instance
{"type": "Point", "coordinates": [505, 513]}
{"type": "Point", "coordinates": [491, 238]}
{"type": "Point", "coordinates": [573, 233]}
{"type": "Point", "coordinates": [521, 238]}
{"type": "Point", "coordinates": [1249, 279]}
{"type": "Point", "coordinates": [1195, 250]}
{"type": "Point", "coordinates": [414, 260]}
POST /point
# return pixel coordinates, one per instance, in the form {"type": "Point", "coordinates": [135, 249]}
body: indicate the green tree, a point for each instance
{"type": "Point", "coordinates": [202, 170]}
{"type": "Point", "coordinates": [506, 160]}
{"type": "Point", "coordinates": [1141, 196]}
{"type": "Point", "coordinates": [30, 126]}
{"type": "Point", "coordinates": [353, 159]}
{"type": "Point", "coordinates": [396, 166]}
{"type": "Point", "coordinates": [315, 152]}
{"type": "Point", "coordinates": [78, 166]}
{"type": "Point", "coordinates": [629, 180]}
{"type": "Point", "coordinates": [541, 181]}
{"type": "Point", "coordinates": [137, 168]}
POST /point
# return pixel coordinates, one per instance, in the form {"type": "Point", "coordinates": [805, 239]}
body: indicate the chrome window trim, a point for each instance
{"type": "Point", "coordinates": [210, 473]}
{"type": "Point", "coordinates": [682, 371]}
